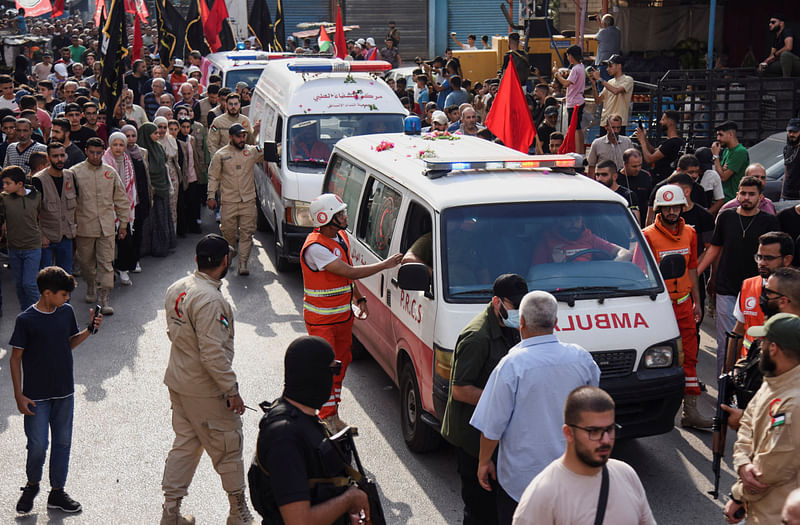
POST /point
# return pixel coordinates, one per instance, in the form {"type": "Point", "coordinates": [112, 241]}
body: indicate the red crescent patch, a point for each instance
{"type": "Point", "coordinates": [668, 196]}
{"type": "Point", "coordinates": [245, 152]}
{"type": "Point", "coordinates": [178, 301]}
{"type": "Point", "coordinates": [107, 174]}
{"type": "Point", "coordinates": [322, 217]}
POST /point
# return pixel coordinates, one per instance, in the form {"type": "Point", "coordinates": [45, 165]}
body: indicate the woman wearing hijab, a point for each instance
{"type": "Point", "coordinates": [116, 156]}
{"type": "Point", "coordinates": [129, 249]}
{"type": "Point", "coordinates": [158, 231]}
{"type": "Point", "coordinates": [188, 202]}
{"type": "Point", "coordinates": [170, 146]}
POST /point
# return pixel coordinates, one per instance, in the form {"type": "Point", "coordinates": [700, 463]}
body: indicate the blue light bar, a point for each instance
{"type": "Point", "coordinates": [340, 66]}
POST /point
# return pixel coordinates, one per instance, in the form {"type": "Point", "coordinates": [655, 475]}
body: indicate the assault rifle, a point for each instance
{"type": "Point", "coordinates": [725, 391]}
{"type": "Point", "coordinates": [346, 446]}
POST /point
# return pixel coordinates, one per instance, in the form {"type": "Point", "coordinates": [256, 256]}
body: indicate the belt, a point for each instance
{"type": "Point", "coordinates": [683, 299]}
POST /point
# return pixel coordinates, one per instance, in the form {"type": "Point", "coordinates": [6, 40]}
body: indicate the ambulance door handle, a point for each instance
{"type": "Point", "coordinates": [382, 277]}
{"type": "Point", "coordinates": [394, 282]}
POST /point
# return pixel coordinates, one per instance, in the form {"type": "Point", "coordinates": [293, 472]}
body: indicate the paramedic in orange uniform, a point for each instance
{"type": "Point", "coordinates": [329, 289]}
{"type": "Point", "coordinates": [668, 235]}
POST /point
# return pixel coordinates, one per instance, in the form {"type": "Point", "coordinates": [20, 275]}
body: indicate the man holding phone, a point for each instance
{"type": "Point", "coordinates": [617, 91]}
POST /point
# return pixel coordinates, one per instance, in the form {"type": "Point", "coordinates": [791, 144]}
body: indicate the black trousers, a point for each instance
{"type": "Point", "coordinates": [479, 504]}
{"type": "Point", "coordinates": [506, 505]}
{"type": "Point", "coordinates": [128, 249]}
{"type": "Point", "coordinates": [188, 210]}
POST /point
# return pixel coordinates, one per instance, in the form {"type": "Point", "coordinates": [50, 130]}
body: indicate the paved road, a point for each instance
{"type": "Point", "coordinates": [122, 421]}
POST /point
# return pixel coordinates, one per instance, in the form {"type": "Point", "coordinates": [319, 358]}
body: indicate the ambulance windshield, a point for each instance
{"type": "Point", "coordinates": [572, 249]}
{"type": "Point", "coordinates": [311, 137]}
{"type": "Point", "coordinates": [248, 76]}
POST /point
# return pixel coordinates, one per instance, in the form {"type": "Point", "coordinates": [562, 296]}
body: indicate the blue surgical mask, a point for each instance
{"type": "Point", "coordinates": [512, 321]}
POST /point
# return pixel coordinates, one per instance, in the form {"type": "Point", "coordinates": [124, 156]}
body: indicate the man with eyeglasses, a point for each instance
{"type": "Point", "coordinates": [765, 455]}
{"type": "Point", "coordinates": [565, 493]}
{"type": "Point", "coordinates": [782, 59]}
{"type": "Point", "coordinates": [520, 404]}
{"type": "Point", "coordinates": [609, 147]}
{"type": "Point", "coordinates": [758, 171]}
{"type": "Point", "coordinates": [775, 250]}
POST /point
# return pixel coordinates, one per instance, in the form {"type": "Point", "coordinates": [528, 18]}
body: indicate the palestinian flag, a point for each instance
{"type": "Point", "coordinates": [324, 41]}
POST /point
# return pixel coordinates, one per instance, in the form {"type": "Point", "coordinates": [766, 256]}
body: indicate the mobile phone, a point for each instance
{"type": "Point", "coordinates": [94, 316]}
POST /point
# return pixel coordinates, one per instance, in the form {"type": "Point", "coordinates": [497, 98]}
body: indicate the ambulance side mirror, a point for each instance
{"type": "Point", "coordinates": [271, 152]}
{"type": "Point", "coordinates": [414, 276]}
{"type": "Point", "coordinates": [672, 266]}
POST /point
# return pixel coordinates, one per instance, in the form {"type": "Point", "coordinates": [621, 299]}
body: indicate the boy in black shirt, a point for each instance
{"type": "Point", "coordinates": [44, 336]}
{"type": "Point", "coordinates": [731, 253]}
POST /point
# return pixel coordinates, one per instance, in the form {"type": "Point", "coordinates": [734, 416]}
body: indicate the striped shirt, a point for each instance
{"type": "Point", "coordinates": [15, 158]}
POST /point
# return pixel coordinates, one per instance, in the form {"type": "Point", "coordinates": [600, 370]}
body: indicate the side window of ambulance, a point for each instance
{"type": "Point", "coordinates": [378, 215]}
{"type": "Point", "coordinates": [279, 130]}
{"type": "Point", "coordinates": [345, 179]}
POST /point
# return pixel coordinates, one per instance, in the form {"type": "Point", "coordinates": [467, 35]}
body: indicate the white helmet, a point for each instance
{"type": "Point", "coordinates": [324, 207]}
{"type": "Point", "coordinates": [669, 195]}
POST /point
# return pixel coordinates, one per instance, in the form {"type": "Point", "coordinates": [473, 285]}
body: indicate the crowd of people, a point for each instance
{"type": "Point", "coordinates": [92, 193]}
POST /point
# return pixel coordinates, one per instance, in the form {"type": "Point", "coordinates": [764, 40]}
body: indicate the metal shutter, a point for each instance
{"type": "Point", "coordinates": [478, 17]}
{"type": "Point", "coordinates": [300, 11]}
{"type": "Point", "coordinates": [411, 17]}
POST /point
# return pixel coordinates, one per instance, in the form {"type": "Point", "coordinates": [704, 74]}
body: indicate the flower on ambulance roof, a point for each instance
{"type": "Point", "coordinates": [384, 146]}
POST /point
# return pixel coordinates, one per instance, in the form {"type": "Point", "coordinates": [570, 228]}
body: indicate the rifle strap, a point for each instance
{"type": "Point", "coordinates": [601, 502]}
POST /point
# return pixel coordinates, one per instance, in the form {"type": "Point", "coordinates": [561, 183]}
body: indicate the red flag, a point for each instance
{"type": "Point", "coordinates": [339, 43]}
{"type": "Point", "coordinates": [137, 7]}
{"type": "Point", "coordinates": [58, 9]}
{"type": "Point", "coordinates": [138, 44]}
{"type": "Point", "coordinates": [98, 11]}
{"type": "Point", "coordinates": [509, 119]}
{"type": "Point", "coordinates": [568, 146]}
{"type": "Point", "coordinates": [212, 22]}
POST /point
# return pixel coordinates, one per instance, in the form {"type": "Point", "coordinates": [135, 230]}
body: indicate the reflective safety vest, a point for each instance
{"type": "Point", "coordinates": [749, 305]}
{"type": "Point", "coordinates": [326, 297]}
{"type": "Point", "coordinates": [663, 242]}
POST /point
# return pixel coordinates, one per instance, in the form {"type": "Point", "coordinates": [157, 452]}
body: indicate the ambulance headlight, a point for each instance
{"type": "Point", "coordinates": [300, 214]}
{"type": "Point", "coordinates": [659, 356]}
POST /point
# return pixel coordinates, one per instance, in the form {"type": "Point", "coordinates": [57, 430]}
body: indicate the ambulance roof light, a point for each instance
{"type": "Point", "coordinates": [539, 161]}
{"type": "Point", "coordinates": [340, 66]}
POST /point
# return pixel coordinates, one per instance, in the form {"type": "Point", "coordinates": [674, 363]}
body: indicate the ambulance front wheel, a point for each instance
{"type": "Point", "coordinates": [281, 263]}
{"type": "Point", "coordinates": [419, 436]}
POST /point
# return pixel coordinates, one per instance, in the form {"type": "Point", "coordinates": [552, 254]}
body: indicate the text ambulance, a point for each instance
{"type": "Point", "coordinates": [305, 106]}
{"type": "Point", "coordinates": [484, 210]}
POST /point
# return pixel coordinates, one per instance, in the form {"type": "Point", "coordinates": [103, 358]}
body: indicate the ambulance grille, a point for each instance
{"type": "Point", "coordinates": [616, 363]}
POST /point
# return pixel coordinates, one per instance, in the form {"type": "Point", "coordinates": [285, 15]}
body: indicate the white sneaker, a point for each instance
{"type": "Point", "coordinates": [125, 279]}
{"type": "Point", "coordinates": [138, 268]}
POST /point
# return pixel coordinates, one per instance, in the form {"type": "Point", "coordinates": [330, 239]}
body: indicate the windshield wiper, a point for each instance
{"type": "Point", "coordinates": [585, 289]}
{"type": "Point", "coordinates": [308, 162]}
{"type": "Point", "coordinates": [474, 292]}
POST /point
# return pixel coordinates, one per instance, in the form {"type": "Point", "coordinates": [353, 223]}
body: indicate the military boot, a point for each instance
{"type": "Point", "coordinates": [105, 304]}
{"type": "Point", "coordinates": [91, 292]}
{"type": "Point", "coordinates": [691, 416]}
{"type": "Point", "coordinates": [240, 512]}
{"type": "Point", "coordinates": [171, 513]}
{"type": "Point", "coordinates": [341, 425]}
{"type": "Point", "coordinates": [243, 271]}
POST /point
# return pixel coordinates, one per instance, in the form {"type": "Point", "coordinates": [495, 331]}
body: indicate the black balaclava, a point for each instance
{"type": "Point", "coordinates": [308, 378]}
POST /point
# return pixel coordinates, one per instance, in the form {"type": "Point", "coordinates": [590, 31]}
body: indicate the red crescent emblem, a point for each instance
{"type": "Point", "coordinates": [322, 217]}
{"type": "Point", "coordinates": [668, 196]}
{"type": "Point", "coordinates": [107, 174]}
{"type": "Point", "coordinates": [178, 302]}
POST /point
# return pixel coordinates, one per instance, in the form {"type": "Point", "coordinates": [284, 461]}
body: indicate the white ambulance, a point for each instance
{"type": "Point", "coordinates": [305, 106]}
{"type": "Point", "coordinates": [483, 210]}
{"type": "Point", "coordinates": [239, 66]}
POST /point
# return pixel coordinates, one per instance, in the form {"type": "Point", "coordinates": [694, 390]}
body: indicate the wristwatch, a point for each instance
{"type": "Point", "coordinates": [715, 157]}
{"type": "Point", "coordinates": [730, 495]}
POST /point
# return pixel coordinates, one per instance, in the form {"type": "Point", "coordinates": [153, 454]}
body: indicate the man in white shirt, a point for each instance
{"type": "Point", "coordinates": [7, 100]}
{"type": "Point", "coordinates": [566, 491]}
{"type": "Point", "coordinates": [617, 91]}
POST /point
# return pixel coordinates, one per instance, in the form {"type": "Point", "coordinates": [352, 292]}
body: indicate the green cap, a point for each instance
{"type": "Point", "coordinates": [782, 329]}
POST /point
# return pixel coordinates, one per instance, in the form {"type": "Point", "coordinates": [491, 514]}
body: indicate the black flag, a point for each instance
{"type": "Point", "coordinates": [195, 38]}
{"type": "Point", "coordinates": [113, 50]}
{"type": "Point", "coordinates": [226, 36]}
{"type": "Point", "coordinates": [171, 32]}
{"type": "Point", "coordinates": [277, 27]}
{"type": "Point", "coordinates": [260, 24]}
